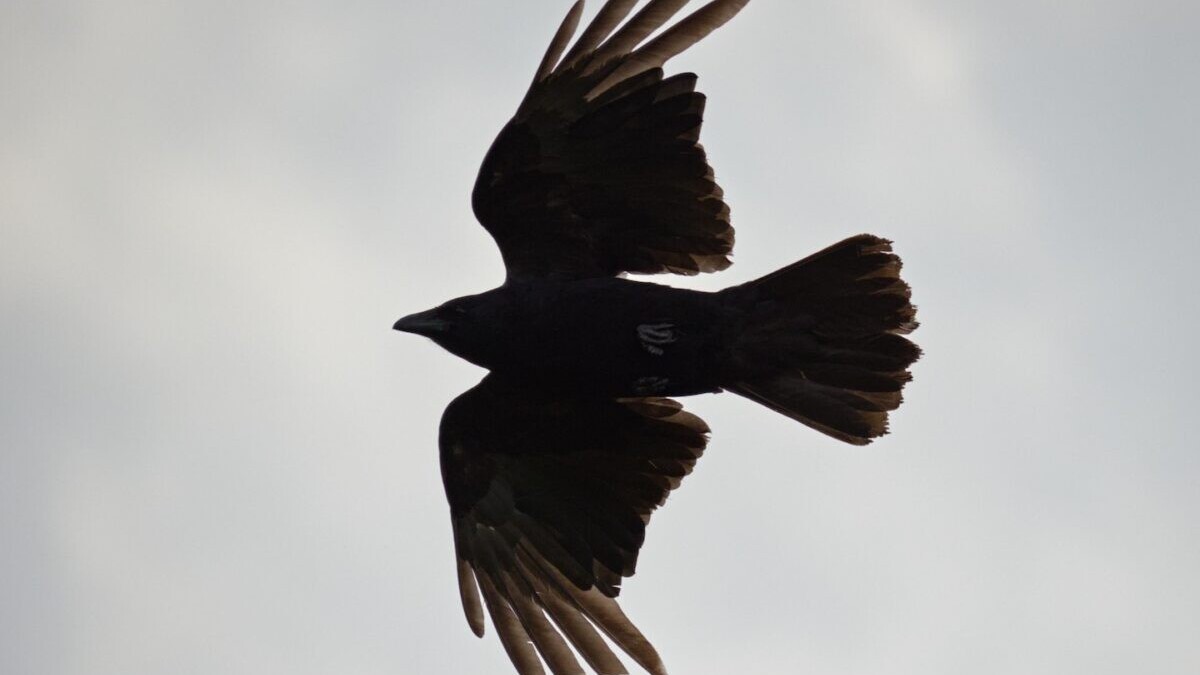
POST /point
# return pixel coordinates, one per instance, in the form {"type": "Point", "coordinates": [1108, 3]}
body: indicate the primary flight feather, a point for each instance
{"type": "Point", "coordinates": [554, 462]}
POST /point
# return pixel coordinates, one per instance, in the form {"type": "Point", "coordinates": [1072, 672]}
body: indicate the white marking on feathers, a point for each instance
{"type": "Point", "coordinates": [650, 385]}
{"type": "Point", "coordinates": [653, 335]}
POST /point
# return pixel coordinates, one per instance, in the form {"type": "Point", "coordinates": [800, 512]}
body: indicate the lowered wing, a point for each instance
{"type": "Point", "coordinates": [549, 499]}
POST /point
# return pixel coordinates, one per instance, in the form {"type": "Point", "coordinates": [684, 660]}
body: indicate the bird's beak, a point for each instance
{"type": "Point", "coordinates": [422, 323]}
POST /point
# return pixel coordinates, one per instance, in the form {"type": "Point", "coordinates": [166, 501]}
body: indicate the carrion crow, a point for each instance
{"type": "Point", "coordinates": [553, 463]}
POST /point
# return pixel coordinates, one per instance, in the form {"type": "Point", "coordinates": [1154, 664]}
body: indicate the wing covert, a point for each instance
{"type": "Point", "coordinates": [600, 171]}
{"type": "Point", "coordinates": [549, 500]}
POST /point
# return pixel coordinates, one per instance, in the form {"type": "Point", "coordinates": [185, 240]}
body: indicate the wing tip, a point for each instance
{"type": "Point", "coordinates": [558, 44]}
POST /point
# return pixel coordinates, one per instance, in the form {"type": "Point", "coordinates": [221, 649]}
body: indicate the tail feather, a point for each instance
{"type": "Point", "coordinates": [822, 339]}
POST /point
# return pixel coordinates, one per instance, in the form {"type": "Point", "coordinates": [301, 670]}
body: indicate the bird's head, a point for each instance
{"type": "Point", "coordinates": [463, 326]}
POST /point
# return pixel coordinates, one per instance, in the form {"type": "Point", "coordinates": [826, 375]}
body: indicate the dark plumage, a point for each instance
{"type": "Point", "coordinates": [554, 462]}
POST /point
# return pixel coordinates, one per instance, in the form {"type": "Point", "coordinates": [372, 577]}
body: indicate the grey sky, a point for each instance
{"type": "Point", "coordinates": [217, 458]}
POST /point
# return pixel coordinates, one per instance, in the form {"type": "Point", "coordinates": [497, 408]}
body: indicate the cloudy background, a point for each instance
{"type": "Point", "coordinates": [217, 458]}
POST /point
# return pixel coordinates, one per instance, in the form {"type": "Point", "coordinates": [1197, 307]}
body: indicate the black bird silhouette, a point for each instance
{"type": "Point", "coordinates": [554, 462]}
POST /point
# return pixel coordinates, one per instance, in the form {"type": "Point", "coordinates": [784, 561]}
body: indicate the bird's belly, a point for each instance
{"type": "Point", "coordinates": [625, 358]}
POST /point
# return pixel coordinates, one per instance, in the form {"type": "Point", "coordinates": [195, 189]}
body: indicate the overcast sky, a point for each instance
{"type": "Point", "coordinates": [218, 458]}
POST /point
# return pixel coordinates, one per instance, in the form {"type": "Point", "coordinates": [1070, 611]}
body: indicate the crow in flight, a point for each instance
{"type": "Point", "coordinates": [554, 462]}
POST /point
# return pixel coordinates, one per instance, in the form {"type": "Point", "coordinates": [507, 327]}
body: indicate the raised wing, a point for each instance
{"type": "Point", "coordinates": [600, 171]}
{"type": "Point", "coordinates": [549, 498]}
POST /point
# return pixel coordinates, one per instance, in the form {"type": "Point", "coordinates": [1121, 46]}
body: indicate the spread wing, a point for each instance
{"type": "Point", "coordinates": [549, 499]}
{"type": "Point", "coordinates": [600, 171]}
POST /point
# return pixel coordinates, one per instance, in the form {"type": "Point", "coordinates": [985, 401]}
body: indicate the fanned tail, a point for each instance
{"type": "Point", "coordinates": [822, 340]}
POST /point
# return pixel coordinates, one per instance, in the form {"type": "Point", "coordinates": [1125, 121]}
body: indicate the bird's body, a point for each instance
{"type": "Point", "coordinates": [555, 461]}
{"type": "Point", "coordinates": [607, 337]}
